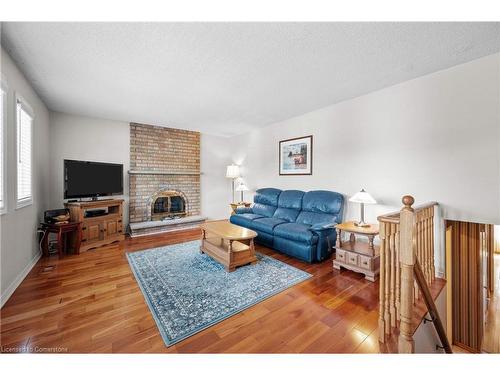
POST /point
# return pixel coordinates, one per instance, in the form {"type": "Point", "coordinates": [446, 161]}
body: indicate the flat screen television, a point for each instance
{"type": "Point", "coordinates": [85, 179]}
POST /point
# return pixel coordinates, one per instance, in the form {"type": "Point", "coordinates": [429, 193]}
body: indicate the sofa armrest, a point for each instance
{"type": "Point", "coordinates": [244, 210]}
{"type": "Point", "coordinates": [323, 226]}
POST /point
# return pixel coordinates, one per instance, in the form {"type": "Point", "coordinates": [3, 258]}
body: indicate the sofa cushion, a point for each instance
{"type": "Point", "coordinates": [291, 199]}
{"type": "Point", "coordinates": [267, 196]}
{"type": "Point", "coordinates": [266, 201]}
{"type": "Point", "coordinates": [250, 216]}
{"type": "Point", "coordinates": [320, 206]}
{"type": "Point", "coordinates": [244, 220]}
{"type": "Point", "coordinates": [244, 210]}
{"type": "Point", "coordinates": [289, 205]}
{"type": "Point", "coordinates": [312, 218]}
{"type": "Point", "coordinates": [266, 224]}
{"type": "Point", "coordinates": [288, 214]}
{"type": "Point", "coordinates": [322, 201]}
{"type": "Point", "coordinates": [296, 232]}
{"type": "Point", "coordinates": [264, 209]}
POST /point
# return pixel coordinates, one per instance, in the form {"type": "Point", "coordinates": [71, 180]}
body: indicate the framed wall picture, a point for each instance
{"type": "Point", "coordinates": [295, 156]}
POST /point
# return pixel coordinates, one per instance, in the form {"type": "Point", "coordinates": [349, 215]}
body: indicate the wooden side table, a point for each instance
{"type": "Point", "coordinates": [234, 206]}
{"type": "Point", "coordinates": [62, 231]}
{"type": "Point", "coordinates": [362, 257]}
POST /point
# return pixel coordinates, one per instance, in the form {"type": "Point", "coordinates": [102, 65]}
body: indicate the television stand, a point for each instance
{"type": "Point", "coordinates": [100, 230]}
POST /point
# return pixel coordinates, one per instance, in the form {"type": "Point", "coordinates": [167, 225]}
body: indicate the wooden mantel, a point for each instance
{"type": "Point", "coordinates": [182, 173]}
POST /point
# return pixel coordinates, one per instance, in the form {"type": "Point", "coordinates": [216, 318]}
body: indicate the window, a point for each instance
{"type": "Point", "coordinates": [24, 129]}
{"type": "Point", "coordinates": [3, 156]}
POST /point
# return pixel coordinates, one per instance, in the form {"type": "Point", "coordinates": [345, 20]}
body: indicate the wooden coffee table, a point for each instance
{"type": "Point", "coordinates": [229, 244]}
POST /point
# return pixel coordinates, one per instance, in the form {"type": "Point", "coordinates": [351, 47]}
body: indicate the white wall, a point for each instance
{"type": "Point", "coordinates": [215, 187]}
{"type": "Point", "coordinates": [84, 138]}
{"type": "Point", "coordinates": [426, 337]}
{"type": "Point", "coordinates": [435, 137]}
{"type": "Point", "coordinates": [19, 249]}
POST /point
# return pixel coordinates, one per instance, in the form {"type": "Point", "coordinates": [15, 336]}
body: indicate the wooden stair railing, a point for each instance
{"type": "Point", "coordinates": [406, 247]}
{"type": "Point", "coordinates": [431, 307]}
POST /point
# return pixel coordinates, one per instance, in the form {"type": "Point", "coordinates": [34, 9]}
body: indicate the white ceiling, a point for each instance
{"type": "Point", "coordinates": [229, 78]}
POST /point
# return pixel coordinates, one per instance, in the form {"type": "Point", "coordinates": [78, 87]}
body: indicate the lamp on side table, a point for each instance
{"type": "Point", "coordinates": [232, 172]}
{"type": "Point", "coordinates": [242, 187]}
{"type": "Point", "coordinates": [364, 198]}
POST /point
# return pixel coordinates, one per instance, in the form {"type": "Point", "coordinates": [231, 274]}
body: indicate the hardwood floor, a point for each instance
{"type": "Point", "coordinates": [91, 303]}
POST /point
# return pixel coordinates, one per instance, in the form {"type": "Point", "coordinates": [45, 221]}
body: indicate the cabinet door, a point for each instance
{"type": "Point", "coordinates": [111, 228]}
{"type": "Point", "coordinates": [93, 232]}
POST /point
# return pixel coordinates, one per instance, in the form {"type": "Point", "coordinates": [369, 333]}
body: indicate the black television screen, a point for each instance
{"type": "Point", "coordinates": [92, 179]}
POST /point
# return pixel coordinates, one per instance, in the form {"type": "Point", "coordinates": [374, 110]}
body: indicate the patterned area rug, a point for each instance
{"type": "Point", "coordinates": [188, 291]}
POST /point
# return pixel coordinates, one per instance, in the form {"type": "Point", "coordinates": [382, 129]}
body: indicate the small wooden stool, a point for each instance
{"type": "Point", "coordinates": [62, 231]}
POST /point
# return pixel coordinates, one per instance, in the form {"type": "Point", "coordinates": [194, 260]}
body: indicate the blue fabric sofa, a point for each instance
{"type": "Point", "coordinates": [294, 222]}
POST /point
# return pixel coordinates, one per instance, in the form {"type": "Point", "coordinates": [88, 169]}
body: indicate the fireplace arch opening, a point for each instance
{"type": "Point", "coordinates": [169, 204]}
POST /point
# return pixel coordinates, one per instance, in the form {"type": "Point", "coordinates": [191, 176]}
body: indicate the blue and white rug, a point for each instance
{"type": "Point", "coordinates": [188, 291]}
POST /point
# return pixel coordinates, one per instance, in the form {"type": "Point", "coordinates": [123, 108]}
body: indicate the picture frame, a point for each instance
{"type": "Point", "coordinates": [296, 156]}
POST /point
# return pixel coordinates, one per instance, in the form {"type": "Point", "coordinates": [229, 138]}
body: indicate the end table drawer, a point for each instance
{"type": "Point", "coordinates": [352, 258]}
{"type": "Point", "coordinates": [365, 262]}
{"type": "Point", "coordinates": [341, 256]}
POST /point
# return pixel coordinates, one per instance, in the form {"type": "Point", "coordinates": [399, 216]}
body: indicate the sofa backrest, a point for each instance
{"type": "Point", "coordinates": [289, 205]}
{"type": "Point", "coordinates": [266, 201]}
{"type": "Point", "coordinates": [320, 206]}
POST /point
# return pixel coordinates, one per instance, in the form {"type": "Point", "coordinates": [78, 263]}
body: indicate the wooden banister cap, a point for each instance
{"type": "Point", "coordinates": [408, 201]}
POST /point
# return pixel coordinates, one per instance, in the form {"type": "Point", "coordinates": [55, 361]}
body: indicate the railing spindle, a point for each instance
{"type": "Point", "coordinates": [381, 313]}
{"type": "Point", "coordinates": [392, 246]}
{"type": "Point", "coordinates": [419, 234]}
{"type": "Point", "coordinates": [398, 276]}
{"type": "Point", "coordinates": [387, 256]}
{"type": "Point", "coordinates": [426, 246]}
{"type": "Point", "coordinates": [433, 267]}
{"type": "Point", "coordinates": [406, 344]}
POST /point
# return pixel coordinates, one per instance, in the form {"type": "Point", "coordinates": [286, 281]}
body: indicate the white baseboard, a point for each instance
{"type": "Point", "coordinates": [18, 280]}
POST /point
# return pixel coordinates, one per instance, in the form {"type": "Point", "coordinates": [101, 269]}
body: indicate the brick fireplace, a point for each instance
{"type": "Point", "coordinates": [164, 178]}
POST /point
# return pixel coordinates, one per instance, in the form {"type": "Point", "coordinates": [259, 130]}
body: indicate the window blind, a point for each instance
{"type": "Point", "coordinates": [24, 154]}
{"type": "Point", "coordinates": [3, 96]}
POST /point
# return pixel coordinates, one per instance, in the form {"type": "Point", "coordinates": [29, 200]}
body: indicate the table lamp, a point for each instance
{"type": "Point", "coordinates": [232, 172]}
{"type": "Point", "coordinates": [364, 198]}
{"type": "Point", "coordinates": [242, 187]}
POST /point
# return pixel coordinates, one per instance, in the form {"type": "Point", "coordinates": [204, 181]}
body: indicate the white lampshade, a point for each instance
{"type": "Point", "coordinates": [362, 197]}
{"type": "Point", "coordinates": [232, 171]}
{"type": "Point", "coordinates": [242, 187]}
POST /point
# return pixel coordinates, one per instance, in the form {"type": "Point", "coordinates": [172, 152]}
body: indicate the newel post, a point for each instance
{"type": "Point", "coordinates": [406, 344]}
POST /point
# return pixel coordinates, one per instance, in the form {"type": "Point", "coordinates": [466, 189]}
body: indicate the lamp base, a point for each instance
{"type": "Point", "coordinates": [361, 224]}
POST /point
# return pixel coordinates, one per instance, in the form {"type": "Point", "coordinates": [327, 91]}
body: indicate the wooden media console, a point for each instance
{"type": "Point", "coordinates": [98, 230]}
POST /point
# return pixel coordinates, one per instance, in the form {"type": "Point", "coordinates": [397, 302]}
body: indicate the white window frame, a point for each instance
{"type": "Point", "coordinates": [20, 203]}
{"type": "Point", "coordinates": [5, 88]}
